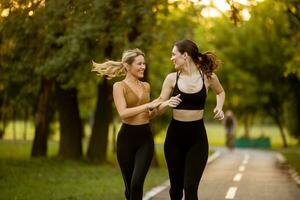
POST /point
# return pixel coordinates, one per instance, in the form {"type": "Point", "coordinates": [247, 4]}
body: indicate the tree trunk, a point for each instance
{"type": "Point", "coordinates": [276, 112]}
{"type": "Point", "coordinates": [247, 127]}
{"type": "Point", "coordinates": [25, 124]}
{"type": "Point", "coordinates": [14, 121]}
{"type": "Point", "coordinates": [114, 138]}
{"type": "Point", "coordinates": [71, 130]}
{"type": "Point", "coordinates": [42, 120]}
{"type": "Point", "coordinates": [97, 149]}
{"type": "Point", "coordinates": [278, 122]}
{"type": "Point", "coordinates": [3, 115]}
{"type": "Point", "coordinates": [3, 122]}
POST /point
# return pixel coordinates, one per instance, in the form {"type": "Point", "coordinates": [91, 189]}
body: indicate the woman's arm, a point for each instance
{"type": "Point", "coordinates": [120, 103]}
{"type": "Point", "coordinates": [216, 86]}
{"type": "Point", "coordinates": [165, 94]}
{"type": "Point", "coordinates": [152, 106]}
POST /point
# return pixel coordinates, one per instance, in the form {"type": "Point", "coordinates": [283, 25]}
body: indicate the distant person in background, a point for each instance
{"type": "Point", "coordinates": [135, 144]}
{"type": "Point", "coordinates": [230, 127]}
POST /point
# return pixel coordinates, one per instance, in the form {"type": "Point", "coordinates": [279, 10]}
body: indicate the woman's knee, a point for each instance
{"type": "Point", "coordinates": [190, 191]}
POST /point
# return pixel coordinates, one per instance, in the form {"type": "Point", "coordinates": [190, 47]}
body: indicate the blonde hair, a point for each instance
{"type": "Point", "coordinates": [111, 69]}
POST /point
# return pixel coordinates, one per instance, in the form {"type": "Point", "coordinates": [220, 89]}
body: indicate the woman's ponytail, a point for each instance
{"type": "Point", "coordinates": [109, 69]}
{"type": "Point", "coordinates": [209, 62]}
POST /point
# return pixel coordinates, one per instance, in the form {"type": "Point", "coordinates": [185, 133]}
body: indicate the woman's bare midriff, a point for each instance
{"type": "Point", "coordinates": [142, 118]}
{"type": "Point", "coordinates": [187, 115]}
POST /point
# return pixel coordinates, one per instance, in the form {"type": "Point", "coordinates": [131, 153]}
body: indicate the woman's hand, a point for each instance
{"type": "Point", "coordinates": [219, 114]}
{"type": "Point", "coordinates": [154, 104]}
{"type": "Point", "coordinates": [173, 102]}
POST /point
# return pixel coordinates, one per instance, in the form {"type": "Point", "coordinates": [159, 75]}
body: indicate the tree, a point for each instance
{"type": "Point", "coordinates": [258, 49]}
{"type": "Point", "coordinates": [22, 34]}
{"type": "Point", "coordinates": [292, 106]}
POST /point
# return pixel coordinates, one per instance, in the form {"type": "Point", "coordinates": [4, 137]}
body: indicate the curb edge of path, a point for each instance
{"type": "Point", "coordinates": [154, 191]}
{"type": "Point", "coordinates": [291, 170]}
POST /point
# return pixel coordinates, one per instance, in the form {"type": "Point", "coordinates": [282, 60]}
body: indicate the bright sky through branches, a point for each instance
{"type": "Point", "coordinates": [216, 8]}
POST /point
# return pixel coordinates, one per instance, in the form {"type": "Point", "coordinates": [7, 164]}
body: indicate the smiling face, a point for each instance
{"type": "Point", "coordinates": [137, 67]}
{"type": "Point", "coordinates": [177, 58]}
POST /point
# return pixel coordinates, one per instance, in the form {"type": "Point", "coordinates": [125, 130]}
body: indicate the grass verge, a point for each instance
{"type": "Point", "coordinates": [49, 179]}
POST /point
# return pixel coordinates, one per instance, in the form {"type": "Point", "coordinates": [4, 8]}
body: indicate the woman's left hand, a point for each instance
{"type": "Point", "coordinates": [219, 114]}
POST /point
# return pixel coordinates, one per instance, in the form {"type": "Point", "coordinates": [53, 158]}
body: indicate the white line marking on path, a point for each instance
{"type": "Point", "coordinates": [156, 190]}
{"type": "Point", "coordinates": [213, 156]}
{"type": "Point", "coordinates": [231, 193]}
{"type": "Point", "coordinates": [246, 159]}
{"type": "Point", "coordinates": [242, 168]}
{"type": "Point", "coordinates": [237, 177]}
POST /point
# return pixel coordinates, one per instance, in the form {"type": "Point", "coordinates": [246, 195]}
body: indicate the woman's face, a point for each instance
{"type": "Point", "coordinates": [177, 58]}
{"type": "Point", "coordinates": [137, 68]}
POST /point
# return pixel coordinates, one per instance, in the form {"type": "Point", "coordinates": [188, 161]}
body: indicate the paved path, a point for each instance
{"type": "Point", "coordinates": [244, 174]}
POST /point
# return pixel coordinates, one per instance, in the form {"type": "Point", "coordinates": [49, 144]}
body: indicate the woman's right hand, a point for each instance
{"type": "Point", "coordinates": [173, 102]}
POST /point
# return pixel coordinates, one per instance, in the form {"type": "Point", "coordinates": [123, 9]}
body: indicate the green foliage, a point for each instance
{"type": "Point", "coordinates": [291, 8]}
{"type": "Point", "coordinates": [255, 54]}
{"type": "Point", "coordinates": [20, 39]}
{"type": "Point", "coordinates": [58, 40]}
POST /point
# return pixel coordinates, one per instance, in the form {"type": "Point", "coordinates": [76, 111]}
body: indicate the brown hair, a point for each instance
{"type": "Point", "coordinates": [207, 61]}
{"type": "Point", "coordinates": [111, 69]}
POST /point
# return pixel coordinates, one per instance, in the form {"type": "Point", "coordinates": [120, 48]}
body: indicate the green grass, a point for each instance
{"type": "Point", "coordinates": [292, 155]}
{"type": "Point", "coordinates": [35, 179]}
{"type": "Point", "coordinates": [215, 132]}
{"type": "Point", "coordinates": [53, 179]}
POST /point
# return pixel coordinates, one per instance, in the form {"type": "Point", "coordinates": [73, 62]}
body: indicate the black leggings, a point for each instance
{"type": "Point", "coordinates": [135, 148]}
{"type": "Point", "coordinates": [186, 152]}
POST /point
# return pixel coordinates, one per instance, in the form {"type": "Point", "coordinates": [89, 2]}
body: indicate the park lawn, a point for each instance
{"type": "Point", "coordinates": [45, 179]}
{"type": "Point", "coordinates": [22, 177]}
{"type": "Point", "coordinates": [35, 179]}
{"type": "Point", "coordinates": [292, 156]}
{"type": "Point", "coordinates": [215, 132]}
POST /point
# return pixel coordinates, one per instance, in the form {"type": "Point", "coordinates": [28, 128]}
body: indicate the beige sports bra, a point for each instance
{"type": "Point", "coordinates": [132, 99]}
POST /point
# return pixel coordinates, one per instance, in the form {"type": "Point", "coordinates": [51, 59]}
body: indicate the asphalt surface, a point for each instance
{"type": "Point", "coordinates": [244, 174]}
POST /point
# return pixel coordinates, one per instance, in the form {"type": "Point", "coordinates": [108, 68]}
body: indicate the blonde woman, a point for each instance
{"type": "Point", "coordinates": [131, 96]}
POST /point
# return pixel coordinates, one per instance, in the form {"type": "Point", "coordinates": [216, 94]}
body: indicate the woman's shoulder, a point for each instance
{"type": "Point", "coordinates": [212, 81]}
{"type": "Point", "coordinates": [171, 76]}
{"type": "Point", "coordinates": [170, 79]}
{"type": "Point", "coordinates": [146, 85]}
{"type": "Point", "coordinates": [213, 77]}
{"type": "Point", "coordinates": [119, 85]}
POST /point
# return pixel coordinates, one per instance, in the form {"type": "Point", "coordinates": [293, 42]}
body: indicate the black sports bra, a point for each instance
{"type": "Point", "coordinates": [190, 101]}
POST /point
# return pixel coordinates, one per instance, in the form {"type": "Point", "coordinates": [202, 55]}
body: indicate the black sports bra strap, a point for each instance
{"type": "Point", "coordinates": [202, 74]}
{"type": "Point", "coordinates": [177, 77]}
